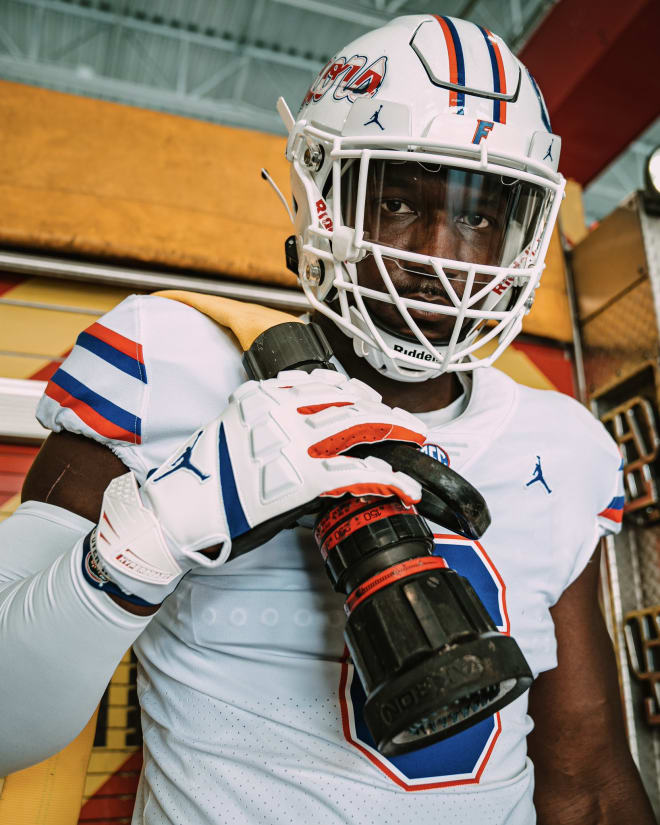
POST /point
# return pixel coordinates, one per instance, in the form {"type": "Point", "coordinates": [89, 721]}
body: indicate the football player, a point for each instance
{"type": "Point", "coordinates": [425, 184]}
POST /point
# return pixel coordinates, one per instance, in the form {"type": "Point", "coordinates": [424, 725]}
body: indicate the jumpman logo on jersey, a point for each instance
{"type": "Point", "coordinates": [548, 154]}
{"type": "Point", "coordinates": [538, 475]}
{"type": "Point", "coordinates": [374, 119]}
{"type": "Point", "coordinates": [183, 462]}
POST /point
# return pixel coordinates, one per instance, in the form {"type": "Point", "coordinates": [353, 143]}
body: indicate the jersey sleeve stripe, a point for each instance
{"type": "Point", "coordinates": [612, 515]}
{"type": "Point", "coordinates": [614, 510]}
{"type": "Point", "coordinates": [104, 417]}
{"type": "Point", "coordinates": [114, 348]}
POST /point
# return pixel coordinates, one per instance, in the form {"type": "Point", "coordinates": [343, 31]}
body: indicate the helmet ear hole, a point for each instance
{"type": "Point", "coordinates": [291, 254]}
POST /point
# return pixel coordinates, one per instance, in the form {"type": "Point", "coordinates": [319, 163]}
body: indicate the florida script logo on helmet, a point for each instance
{"type": "Point", "coordinates": [350, 78]}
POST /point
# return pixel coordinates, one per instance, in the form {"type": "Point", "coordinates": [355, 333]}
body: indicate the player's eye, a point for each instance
{"type": "Point", "coordinates": [474, 220]}
{"type": "Point", "coordinates": [394, 206]}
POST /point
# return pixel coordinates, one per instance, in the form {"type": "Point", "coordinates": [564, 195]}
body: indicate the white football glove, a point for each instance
{"type": "Point", "coordinates": [275, 449]}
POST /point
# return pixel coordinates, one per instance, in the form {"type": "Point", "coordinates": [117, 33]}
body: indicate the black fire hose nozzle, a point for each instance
{"type": "Point", "coordinates": [428, 654]}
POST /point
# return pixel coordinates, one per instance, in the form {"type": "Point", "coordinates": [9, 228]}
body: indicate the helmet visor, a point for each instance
{"type": "Point", "coordinates": [445, 212]}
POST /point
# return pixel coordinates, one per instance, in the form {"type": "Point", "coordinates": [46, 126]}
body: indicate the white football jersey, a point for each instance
{"type": "Point", "coordinates": [251, 709]}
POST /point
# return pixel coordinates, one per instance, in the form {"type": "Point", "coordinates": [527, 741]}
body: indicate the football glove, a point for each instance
{"type": "Point", "coordinates": [274, 454]}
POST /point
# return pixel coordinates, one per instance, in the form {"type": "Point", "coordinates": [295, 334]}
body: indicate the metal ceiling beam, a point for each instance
{"type": "Point", "coordinates": [76, 42]}
{"type": "Point", "coordinates": [346, 13]}
{"type": "Point", "coordinates": [107, 275]}
{"type": "Point", "coordinates": [217, 77]}
{"type": "Point", "coordinates": [179, 34]}
{"type": "Point", "coordinates": [150, 97]}
{"type": "Point", "coordinates": [10, 44]}
{"type": "Point", "coordinates": [253, 25]}
{"type": "Point", "coordinates": [605, 89]}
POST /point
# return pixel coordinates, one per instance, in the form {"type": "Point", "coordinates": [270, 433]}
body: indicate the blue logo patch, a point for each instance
{"type": "Point", "coordinates": [184, 462]}
{"type": "Point", "coordinates": [437, 452]}
{"type": "Point", "coordinates": [482, 130]}
{"type": "Point", "coordinates": [538, 475]}
{"type": "Point", "coordinates": [374, 119]}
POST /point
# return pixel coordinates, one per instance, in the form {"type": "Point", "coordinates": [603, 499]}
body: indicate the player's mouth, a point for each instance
{"type": "Point", "coordinates": [433, 324]}
{"type": "Point", "coordinates": [437, 299]}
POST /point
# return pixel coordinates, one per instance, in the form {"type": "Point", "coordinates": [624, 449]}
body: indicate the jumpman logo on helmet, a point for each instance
{"type": "Point", "coordinates": [538, 475]}
{"type": "Point", "coordinates": [183, 462]}
{"type": "Point", "coordinates": [374, 119]}
{"type": "Point", "coordinates": [548, 154]}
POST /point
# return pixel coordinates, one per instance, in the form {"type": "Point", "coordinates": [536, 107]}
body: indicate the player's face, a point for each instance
{"type": "Point", "coordinates": [442, 212]}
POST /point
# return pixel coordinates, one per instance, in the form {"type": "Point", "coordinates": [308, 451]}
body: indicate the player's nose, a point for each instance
{"type": "Point", "coordinates": [438, 240]}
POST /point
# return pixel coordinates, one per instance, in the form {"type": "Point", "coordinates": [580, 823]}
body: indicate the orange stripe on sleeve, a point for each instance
{"type": "Point", "coordinates": [119, 342]}
{"type": "Point", "coordinates": [90, 417]}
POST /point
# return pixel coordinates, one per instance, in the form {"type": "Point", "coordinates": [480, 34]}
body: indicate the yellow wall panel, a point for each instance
{"type": "Point", "coordinates": [518, 366]}
{"type": "Point", "coordinates": [67, 294]}
{"type": "Point", "coordinates": [550, 316]}
{"type": "Point", "coordinates": [42, 331]}
{"type": "Point", "coordinates": [49, 793]}
{"type": "Point", "coordinates": [20, 366]}
{"type": "Point", "coordinates": [103, 179]}
{"type": "Point", "coordinates": [8, 507]}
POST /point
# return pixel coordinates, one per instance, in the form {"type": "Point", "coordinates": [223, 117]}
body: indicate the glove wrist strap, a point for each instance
{"type": "Point", "coordinates": [95, 574]}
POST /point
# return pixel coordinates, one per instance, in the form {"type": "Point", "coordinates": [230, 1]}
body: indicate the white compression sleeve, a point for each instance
{"type": "Point", "coordinates": [60, 639]}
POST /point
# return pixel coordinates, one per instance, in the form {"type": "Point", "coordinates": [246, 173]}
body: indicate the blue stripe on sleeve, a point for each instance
{"type": "Point", "coordinates": [117, 415]}
{"type": "Point", "coordinates": [236, 520]}
{"type": "Point", "coordinates": [616, 503]}
{"type": "Point", "coordinates": [113, 356]}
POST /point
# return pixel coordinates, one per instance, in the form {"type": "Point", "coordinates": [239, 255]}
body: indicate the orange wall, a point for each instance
{"type": "Point", "coordinates": [85, 176]}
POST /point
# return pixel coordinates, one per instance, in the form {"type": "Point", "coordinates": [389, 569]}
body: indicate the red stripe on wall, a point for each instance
{"type": "Point", "coordinates": [554, 363]}
{"type": "Point", "coordinates": [114, 800]}
{"type": "Point", "coordinates": [15, 461]}
{"type": "Point", "coordinates": [8, 282]}
{"type": "Point", "coordinates": [46, 372]}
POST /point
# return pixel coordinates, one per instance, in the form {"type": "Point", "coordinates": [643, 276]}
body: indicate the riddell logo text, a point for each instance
{"type": "Point", "coordinates": [322, 212]}
{"type": "Point", "coordinates": [414, 353]}
{"type": "Point", "coordinates": [141, 569]}
{"type": "Point", "coordinates": [500, 288]}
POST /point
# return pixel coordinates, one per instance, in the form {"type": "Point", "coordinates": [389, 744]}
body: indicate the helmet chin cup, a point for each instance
{"type": "Point", "coordinates": [376, 355]}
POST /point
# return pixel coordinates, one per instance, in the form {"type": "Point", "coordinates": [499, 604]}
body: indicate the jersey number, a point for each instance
{"type": "Point", "coordinates": [462, 758]}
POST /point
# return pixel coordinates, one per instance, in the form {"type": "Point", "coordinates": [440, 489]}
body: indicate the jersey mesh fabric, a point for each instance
{"type": "Point", "coordinates": [251, 711]}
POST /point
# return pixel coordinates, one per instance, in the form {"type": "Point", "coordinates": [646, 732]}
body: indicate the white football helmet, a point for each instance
{"type": "Point", "coordinates": [425, 185]}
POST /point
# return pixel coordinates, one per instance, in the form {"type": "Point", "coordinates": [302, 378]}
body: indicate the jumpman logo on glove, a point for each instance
{"type": "Point", "coordinates": [183, 462]}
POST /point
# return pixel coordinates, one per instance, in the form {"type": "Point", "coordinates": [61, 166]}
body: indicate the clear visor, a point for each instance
{"type": "Point", "coordinates": [445, 212]}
